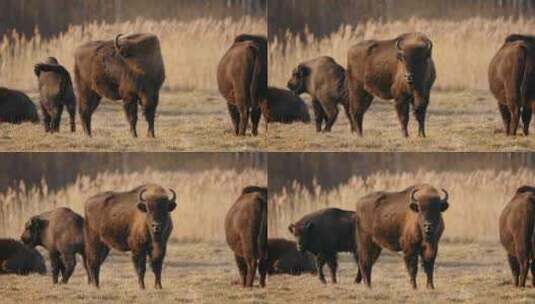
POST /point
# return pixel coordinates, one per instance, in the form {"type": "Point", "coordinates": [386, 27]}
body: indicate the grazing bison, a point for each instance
{"type": "Point", "coordinates": [285, 107]}
{"type": "Point", "coordinates": [130, 69]}
{"type": "Point", "coordinates": [283, 257]}
{"type": "Point", "coordinates": [242, 80]}
{"type": "Point", "coordinates": [19, 259]}
{"type": "Point", "coordinates": [136, 221]}
{"type": "Point", "coordinates": [16, 107]}
{"type": "Point", "coordinates": [400, 69]}
{"type": "Point", "coordinates": [409, 221]}
{"type": "Point", "coordinates": [61, 232]}
{"type": "Point", "coordinates": [517, 222]}
{"type": "Point", "coordinates": [246, 234]}
{"type": "Point", "coordinates": [324, 233]}
{"type": "Point", "coordinates": [512, 81]}
{"type": "Point", "coordinates": [56, 91]}
{"type": "Point", "coordinates": [325, 81]}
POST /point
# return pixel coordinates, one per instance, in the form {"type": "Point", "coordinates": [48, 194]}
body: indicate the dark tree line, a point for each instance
{"type": "Point", "coordinates": [54, 16]}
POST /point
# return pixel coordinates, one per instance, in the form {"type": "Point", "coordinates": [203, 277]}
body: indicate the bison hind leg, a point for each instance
{"type": "Point", "coordinates": [319, 114]}
{"type": "Point", "coordinates": [332, 261]}
{"type": "Point", "coordinates": [255, 119]}
{"type": "Point", "coordinates": [242, 268]}
{"type": "Point", "coordinates": [235, 116]}
{"type": "Point", "coordinates": [526, 119]}
{"type": "Point", "coordinates": [506, 117]}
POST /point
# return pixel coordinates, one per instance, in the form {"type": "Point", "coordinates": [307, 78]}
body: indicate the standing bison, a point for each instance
{"type": "Point", "coordinates": [409, 221]}
{"type": "Point", "coordinates": [56, 91]}
{"type": "Point", "coordinates": [325, 81]}
{"type": "Point", "coordinates": [16, 107]}
{"type": "Point", "coordinates": [246, 234]}
{"type": "Point", "coordinates": [512, 81]}
{"type": "Point", "coordinates": [517, 222]}
{"type": "Point", "coordinates": [19, 259]}
{"type": "Point", "coordinates": [136, 221]}
{"type": "Point", "coordinates": [242, 80]}
{"type": "Point", "coordinates": [324, 233]}
{"type": "Point", "coordinates": [61, 232]}
{"type": "Point", "coordinates": [130, 69]}
{"type": "Point", "coordinates": [400, 69]}
{"type": "Point", "coordinates": [283, 257]}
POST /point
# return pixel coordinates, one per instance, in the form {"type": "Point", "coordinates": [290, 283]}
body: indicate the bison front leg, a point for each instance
{"type": "Point", "coordinates": [320, 262]}
{"type": "Point", "coordinates": [130, 110]}
{"type": "Point", "coordinates": [411, 262]}
{"type": "Point", "coordinates": [429, 267]}
{"type": "Point", "coordinates": [140, 263]}
{"type": "Point", "coordinates": [156, 265]}
{"type": "Point", "coordinates": [402, 109]}
{"type": "Point", "coordinates": [348, 114]}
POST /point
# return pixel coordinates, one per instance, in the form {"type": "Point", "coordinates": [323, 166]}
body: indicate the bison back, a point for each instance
{"type": "Point", "coordinates": [16, 107]}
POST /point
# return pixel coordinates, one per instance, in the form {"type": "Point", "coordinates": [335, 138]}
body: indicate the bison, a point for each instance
{"type": "Point", "coordinates": [324, 233]}
{"type": "Point", "coordinates": [61, 232]}
{"type": "Point", "coordinates": [136, 221]}
{"type": "Point", "coordinates": [246, 234]}
{"type": "Point", "coordinates": [56, 92]}
{"type": "Point", "coordinates": [517, 222]}
{"type": "Point", "coordinates": [16, 107]}
{"type": "Point", "coordinates": [283, 257]}
{"type": "Point", "coordinates": [284, 107]}
{"type": "Point", "coordinates": [512, 79]}
{"type": "Point", "coordinates": [129, 69]}
{"type": "Point", "coordinates": [325, 80]}
{"type": "Point", "coordinates": [409, 221]}
{"type": "Point", "coordinates": [400, 69]}
{"type": "Point", "coordinates": [242, 80]}
{"type": "Point", "coordinates": [19, 259]}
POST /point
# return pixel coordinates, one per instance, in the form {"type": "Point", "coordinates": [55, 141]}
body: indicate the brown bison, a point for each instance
{"type": "Point", "coordinates": [129, 68]}
{"type": "Point", "coordinates": [136, 221]}
{"type": "Point", "coordinates": [19, 259]}
{"type": "Point", "coordinates": [283, 257]}
{"type": "Point", "coordinates": [56, 91]}
{"type": "Point", "coordinates": [61, 232]}
{"type": "Point", "coordinates": [325, 81]}
{"type": "Point", "coordinates": [409, 221]}
{"type": "Point", "coordinates": [246, 234]}
{"type": "Point", "coordinates": [16, 107]}
{"type": "Point", "coordinates": [242, 80]}
{"type": "Point", "coordinates": [285, 107]}
{"type": "Point", "coordinates": [517, 222]}
{"type": "Point", "coordinates": [512, 81]}
{"type": "Point", "coordinates": [400, 69]}
{"type": "Point", "coordinates": [324, 233]}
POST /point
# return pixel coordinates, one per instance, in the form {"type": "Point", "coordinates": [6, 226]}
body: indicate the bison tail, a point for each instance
{"type": "Point", "coordinates": [262, 236]}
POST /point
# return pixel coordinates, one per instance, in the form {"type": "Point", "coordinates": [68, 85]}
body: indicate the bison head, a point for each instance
{"type": "Point", "coordinates": [429, 209]}
{"type": "Point", "coordinates": [32, 232]}
{"type": "Point", "coordinates": [157, 210]}
{"type": "Point", "coordinates": [302, 233]}
{"type": "Point", "coordinates": [298, 81]}
{"type": "Point", "coordinates": [413, 58]}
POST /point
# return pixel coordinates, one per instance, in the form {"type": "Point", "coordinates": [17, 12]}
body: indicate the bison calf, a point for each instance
{"type": "Point", "coordinates": [246, 234]}
{"type": "Point", "coordinates": [324, 233]}
{"type": "Point", "coordinates": [16, 107]}
{"type": "Point", "coordinates": [283, 257]}
{"type": "Point", "coordinates": [284, 107]}
{"type": "Point", "coordinates": [409, 221]}
{"type": "Point", "coordinates": [138, 221]}
{"type": "Point", "coordinates": [19, 259]}
{"type": "Point", "coordinates": [61, 232]}
{"type": "Point", "coordinates": [517, 222]}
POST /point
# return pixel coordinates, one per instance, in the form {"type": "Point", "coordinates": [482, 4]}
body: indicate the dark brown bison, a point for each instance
{"type": "Point", "coordinates": [324, 233]}
{"type": "Point", "coordinates": [409, 221]}
{"type": "Point", "coordinates": [285, 107]}
{"type": "Point", "coordinates": [325, 81]}
{"type": "Point", "coordinates": [283, 257]}
{"type": "Point", "coordinates": [242, 80]}
{"type": "Point", "coordinates": [512, 81]}
{"type": "Point", "coordinates": [16, 107]}
{"type": "Point", "coordinates": [61, 232]}
{"type": "Point", "coordinates": [129, 68]}
{"type": "Point", "coordinates": [136, 221]}
{"type": "Point", "coordinates": [56, 91]}
{"type": "Point", "coordinates": [517, 223]}
{"type": "Point", "coordinates": [400, 69]}
{"type": "Point", "coordinates": [18, 259]}
{"type": "Point", "coordinates": [246, 234]}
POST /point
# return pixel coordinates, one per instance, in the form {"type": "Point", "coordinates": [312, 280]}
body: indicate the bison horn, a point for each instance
{"type": "Point", "coordinates": [413, 199]}
{"type": "Point", "coordinates": [117, 47]}
{"type": "Point", "coordinates": [446, 195]}
{"type": "Point", "coordinates": [174, 194]}
{"type": "Point", "coordinates": [398, 44]}
{"type": "Point", "coordinates": [141, 195]}
{"type": "Point", "coordinates": [429, 45]}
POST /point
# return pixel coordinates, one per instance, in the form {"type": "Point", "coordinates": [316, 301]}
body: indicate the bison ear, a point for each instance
{"type": "Point", "coordinates": [36, 223]}
{"type": "Point", "coordinates": [414, 206]}
{"type": "Point", "coordinates": [400, 56]}
{"type": "Point", "coordinates": [291, 228]}
{"type": "Point", "coordinates": [142, 207]}
{"type": "Point", "coordinates": [308, 226]}
{"type": "Point", "coordinates": [444, 207]}
{"type": "Point", "coordinates": [171, 206]}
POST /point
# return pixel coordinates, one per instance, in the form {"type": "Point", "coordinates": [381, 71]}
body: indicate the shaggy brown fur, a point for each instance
{"type": "Point", "coordinates": [19, 259]}
{"type": "Point", "coordinates": [512, 81]}
{"type": "Point", "coordinates": [283, 257]}
{"type": "Point", "coordinates": [409, 221]}
{"type": "Point", "coordinates": [242, 80]}
{"type": "Point", "coordinates": [516, 234]}
{"type": "Point", "coordinates": [16, 107]}
{"type": "Point", "coordinates": [129, 69]}
{"type": "Point", "coordinates": [285, 107]}
{"type": "Point", "coordinates": [61, 232]}
{"type": "Point", "coordinates": [400, 69]}
{"type": "Point", "coordinates": [325, 81]}
{"type": "Point", "coordinates": [246, 234]}
{"type": "Point", "coordinates": [56, 91]}
{"type": "Point", "coordinates": [136, 221]}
